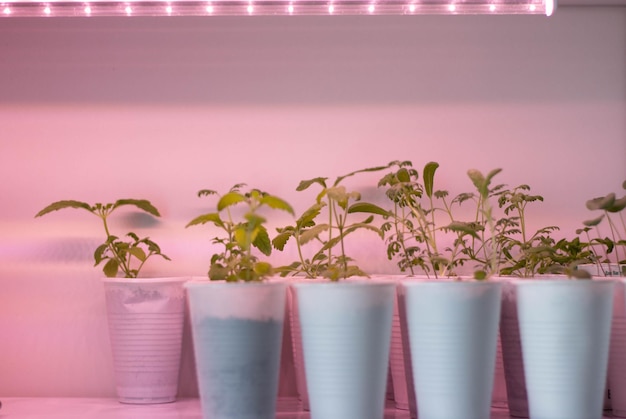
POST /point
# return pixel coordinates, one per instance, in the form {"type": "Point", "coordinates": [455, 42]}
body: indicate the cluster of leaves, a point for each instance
{"type": "Point", "coordinates": [327, 223]}
{"type": "Point", "coordinates": [128, 255]}
{"type": "Point", "coordinates": [414, 228]}
{"type": "Point", "coordinates": [524, 254]}
{"type": "Point", "coordinates": [236, 261]}
{"type": "Point", "coordinates": [610, 208]}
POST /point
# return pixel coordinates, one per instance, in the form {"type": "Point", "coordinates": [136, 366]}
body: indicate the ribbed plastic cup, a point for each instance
{"type": "Point", "coordinates": [512, 359]}
{"type": "Point", "coordinates": [346, 331]}
{"type": "Point", "coordinates": [298, 355]}
{"type": "Point", "coordinates": [499, 396]}
{"type": "Point", "coordinates": [453, 330]}
{"type": "Point", "coordinates": [145, 319]}
{"type": "Point", "coordinates": [617, 354]}
{"type": "Point", "coordinates": [396, 363]}
{"type": "Point", "coordinates": [237, 335]}
{"type": "Point", "coordinates": [565, 328]}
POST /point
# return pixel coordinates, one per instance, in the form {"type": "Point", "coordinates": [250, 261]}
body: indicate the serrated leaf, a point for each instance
{"type": "Point", "coordinates": [212, 217]}
{"type": "Point", "coordinates": [229, 199]}
{"type": "Point", "coordinates": [262, 241]}
{"type": "Point", "coordinates": [277, 203]}
{"type": "Point", "coordinates": [110, 268]}
{"type": "Point", "coordinates": [306, 183]}
{"type": "Point", "coordinates": [465, 228]}
{"type": "Point", "coordinates": [142, 204]}
{"type": "Point", "coordinates": [138, 253]}
{"type": "Point", "coordinates": [429, 177]}
{"type": "Point", "coordinates": [307, 219]}
{"type": "Point", "coordinates": [363, 226]}
{"type": "Point", "coordinates": [367, 208]}
{"type": "Point", "coordinates": [55, 206]}
{"type": "Point", "coordinates": [206, 192]}
{"type": "Point", "coordinates": [311, 233]}
{"type": "Point", "coordinates": [281, 240]}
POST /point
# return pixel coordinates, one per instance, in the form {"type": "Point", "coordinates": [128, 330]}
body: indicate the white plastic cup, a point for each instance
{"type": "Point", "coordinates": [346, 331]}
{"type": "Point", "coordinates": [565, 328]}
{"type": "Point", "coordinates": [145, 319]}
{"type": "Point", "coordinates": [453, 330]}
{"type": "Point", "coordinates": [237, 334]}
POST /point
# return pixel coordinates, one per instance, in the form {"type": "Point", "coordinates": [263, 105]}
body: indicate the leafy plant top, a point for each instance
{"type": "Point", "coordinates": [127, 256]}
{"type": "Point", "coordinates": [612, 249]}
{"type": "Point", "coordinates": [423, 219]}
{"type": "Point", "coordinates": [236, 262]}
{"type": "Point", "coordinates": [326, 224]}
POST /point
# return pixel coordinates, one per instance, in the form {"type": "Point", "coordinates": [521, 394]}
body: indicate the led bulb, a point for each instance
{"type": "Point", "coordinates": [412, 8]}
{"type": "Point", "coordinates": [290, 9]}
{"type": "Point", "coordinates": [209, 9]}
{"type": "Point", "coordinates": [331, 9]}
{"type": "Point", "coordinates": [492, 7]}
{"type": "Point", "coordinates": [371, 8]}
{"type": "Point", "coordinates": [452, 7]}
{"type": "Point", "coordinates": [532, 7]}
{"type": "Point", "coordinates": [87, 10]}
{"type": "Point", "coordinates": [169, 9]}
{"type": "Point", "coordinates": [47, 10]}
{"type": "Point", "coordinates": [7, 11]}
{"type": "Point", "coordinates": [128, 10]}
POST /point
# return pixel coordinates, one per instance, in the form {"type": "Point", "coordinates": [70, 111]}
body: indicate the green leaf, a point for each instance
{"type": "Point", "coordinates": [369, 169]}
{"type": "Point", "coordinates": [99, 253]}
{"type": "Point", "coordinates": [311, 233]}
{"type": "Point", "coordinates": [206, 192]}
{"type": "Point", "coordinates": [618, 205]}
{"type": "Point", "coordinates": [142, 204]}
{"type": "Point", "coordinates": [307, 219]}
{"type": "Point", "coordinates": [262, 241]}
{"type": "Point", "coordinates": [480, 275]}
{"type": "Point", "coordinates": [601, 203]}
{"type": "Point", "coordinates": [110, 268]}
{"type": "Point", "coordinates": [207, 218]}
{"type": "Point", "coordinates": [403, 175]}
{"type": "Point", "coordinates": [429, 177]}
{"type": "Point", "coordinates": [277, 203]}
{"type": "Point", "coordinates": [231, 198]}
{"type": "Point", "coordinates": [281, 240]}
{"type": "Point", "coordinates": [55, 206]}
{"type": "Point", "coordinates": [262, 269]}
{"type": "Point", "coordinates": [138, 253]}
{"type": "Point", "coordinates": [306, 183]}
{"type": "Point", "coordinates": [368, 208]}
{"type": "Point", "coordinates": [593, 222]}
{"type": "Point", "coordinates": [465, 228]}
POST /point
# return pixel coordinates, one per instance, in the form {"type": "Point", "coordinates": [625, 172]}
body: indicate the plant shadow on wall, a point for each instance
{"type": "Point", "coordinates": [145, 315]}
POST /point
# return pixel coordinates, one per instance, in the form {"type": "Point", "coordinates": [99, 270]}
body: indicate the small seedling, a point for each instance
{"type": "Point", "coordinates": [128, 255]}
{"type": "Point", "coordinates": [236, 262]}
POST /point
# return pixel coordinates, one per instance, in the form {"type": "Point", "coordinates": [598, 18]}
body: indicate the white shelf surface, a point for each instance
{"type": "Point", "coordinates": [93, 408]}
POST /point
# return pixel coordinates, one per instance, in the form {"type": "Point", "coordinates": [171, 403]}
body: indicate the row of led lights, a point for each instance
{"type": "Point", "coordinates": [290, 9]}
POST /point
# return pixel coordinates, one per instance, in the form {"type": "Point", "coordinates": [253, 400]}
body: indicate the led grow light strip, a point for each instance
{"type": "Point", "coordinates": [27, 8]}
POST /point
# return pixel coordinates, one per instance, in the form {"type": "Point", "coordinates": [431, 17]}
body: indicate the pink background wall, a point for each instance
{"type": "Point", "coordinates": [100, 109]}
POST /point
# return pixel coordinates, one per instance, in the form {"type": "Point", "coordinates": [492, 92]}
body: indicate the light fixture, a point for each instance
{"type": "Point", "coordinates": [36, 8]}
